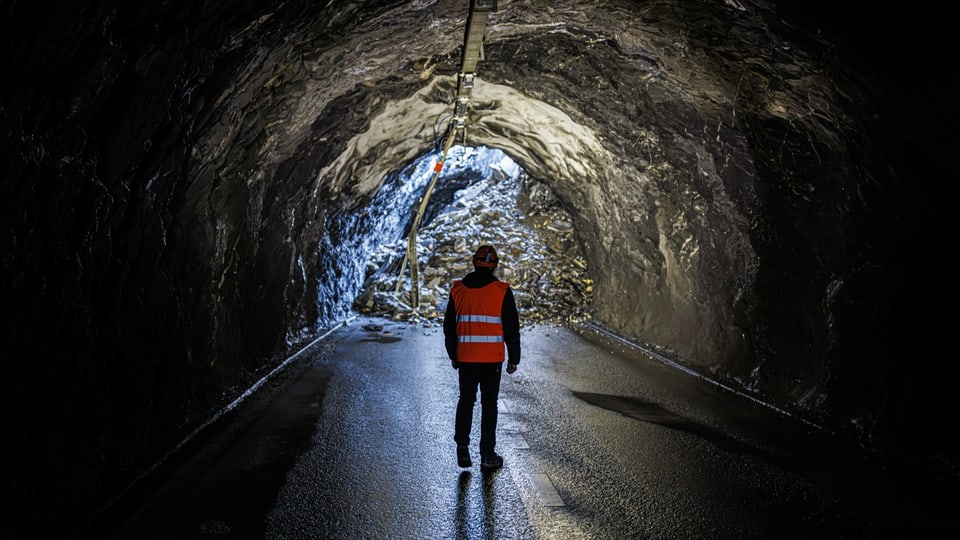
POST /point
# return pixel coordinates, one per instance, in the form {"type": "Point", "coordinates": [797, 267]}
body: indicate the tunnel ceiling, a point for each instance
{"type": "Point", "coordinates": [192, 190]}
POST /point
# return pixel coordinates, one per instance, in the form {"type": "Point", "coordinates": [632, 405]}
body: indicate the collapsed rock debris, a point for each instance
{"type": "Point", "coordinates": [523, 220]}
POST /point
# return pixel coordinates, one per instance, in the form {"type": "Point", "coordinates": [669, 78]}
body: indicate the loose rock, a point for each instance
{"type": "Point", "coordinates": [538, 251]}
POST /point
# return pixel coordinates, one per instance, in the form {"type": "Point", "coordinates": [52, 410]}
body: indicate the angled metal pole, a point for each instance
{"type": "Point", "coordinates": [417, 216]}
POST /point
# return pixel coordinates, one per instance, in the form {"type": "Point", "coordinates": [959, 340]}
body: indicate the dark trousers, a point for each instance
{"type": "Point", "coordinates": [486, 376]}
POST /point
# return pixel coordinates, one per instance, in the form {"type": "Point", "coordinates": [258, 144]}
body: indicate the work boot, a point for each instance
{"type": "Point", "coordinates": [491, 461]}
{"type": "Point", "coordinates": [463, 456]}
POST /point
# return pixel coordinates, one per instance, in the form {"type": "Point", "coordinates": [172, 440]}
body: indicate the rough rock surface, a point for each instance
{"type": "Point", "coordinates": [191, 190]}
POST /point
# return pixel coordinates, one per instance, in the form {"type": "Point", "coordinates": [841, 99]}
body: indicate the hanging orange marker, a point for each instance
{"type": "Point", "coordinates": [438, 166]}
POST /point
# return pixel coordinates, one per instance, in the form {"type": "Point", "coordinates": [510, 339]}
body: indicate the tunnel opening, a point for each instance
{"type": "Point", "coordinates": [482, 196]}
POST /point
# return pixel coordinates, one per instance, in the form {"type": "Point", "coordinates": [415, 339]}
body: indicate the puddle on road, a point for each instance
{"type": "Point", "coordinates": [382, 336]}
{"type": "Point", "coordinates": [654, 413]}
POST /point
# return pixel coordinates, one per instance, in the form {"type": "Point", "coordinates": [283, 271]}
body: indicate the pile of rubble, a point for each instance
{"type": "Point", "coordinates": [534, 238]}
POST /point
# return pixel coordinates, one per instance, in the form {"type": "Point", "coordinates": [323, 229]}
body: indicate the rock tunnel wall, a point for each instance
{"type": "Point", "coordinates": [186, 190]}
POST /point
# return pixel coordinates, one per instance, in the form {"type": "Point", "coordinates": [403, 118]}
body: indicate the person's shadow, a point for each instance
{"type": "Point", "coordinates": [460, 516]}
{"type": "Point", "coordinates": [472, 522]}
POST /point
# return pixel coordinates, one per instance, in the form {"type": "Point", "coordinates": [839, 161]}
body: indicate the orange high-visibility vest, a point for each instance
{"type": "Point", "coordinates": [479, 328]}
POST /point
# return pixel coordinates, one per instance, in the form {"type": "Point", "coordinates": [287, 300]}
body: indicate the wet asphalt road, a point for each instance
{"type": "Point", "coordinates": [354, 441]}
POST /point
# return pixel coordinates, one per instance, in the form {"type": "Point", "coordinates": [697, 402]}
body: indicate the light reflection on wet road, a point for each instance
{"type": "Point", "coordinates": [358, 444]}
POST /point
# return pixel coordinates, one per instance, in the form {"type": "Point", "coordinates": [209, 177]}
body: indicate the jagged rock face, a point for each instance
{"type": "Point", "coordinates": [189, 194]}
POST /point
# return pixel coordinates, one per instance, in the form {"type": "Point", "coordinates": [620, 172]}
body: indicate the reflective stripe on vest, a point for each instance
{"type": "Point", "coordinates": [478, 318]}
{"type": "Point", "coordinates": [479, 327]}
{"type": "Point", "coordinates": [480, 339]}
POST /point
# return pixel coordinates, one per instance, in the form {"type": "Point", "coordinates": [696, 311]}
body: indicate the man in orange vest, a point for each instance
{"type": "Point", "coordinates": [481, 318]}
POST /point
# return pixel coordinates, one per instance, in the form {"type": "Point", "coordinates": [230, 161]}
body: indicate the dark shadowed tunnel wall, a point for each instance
{"type": "Point", "coordinates": [186, 191]}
